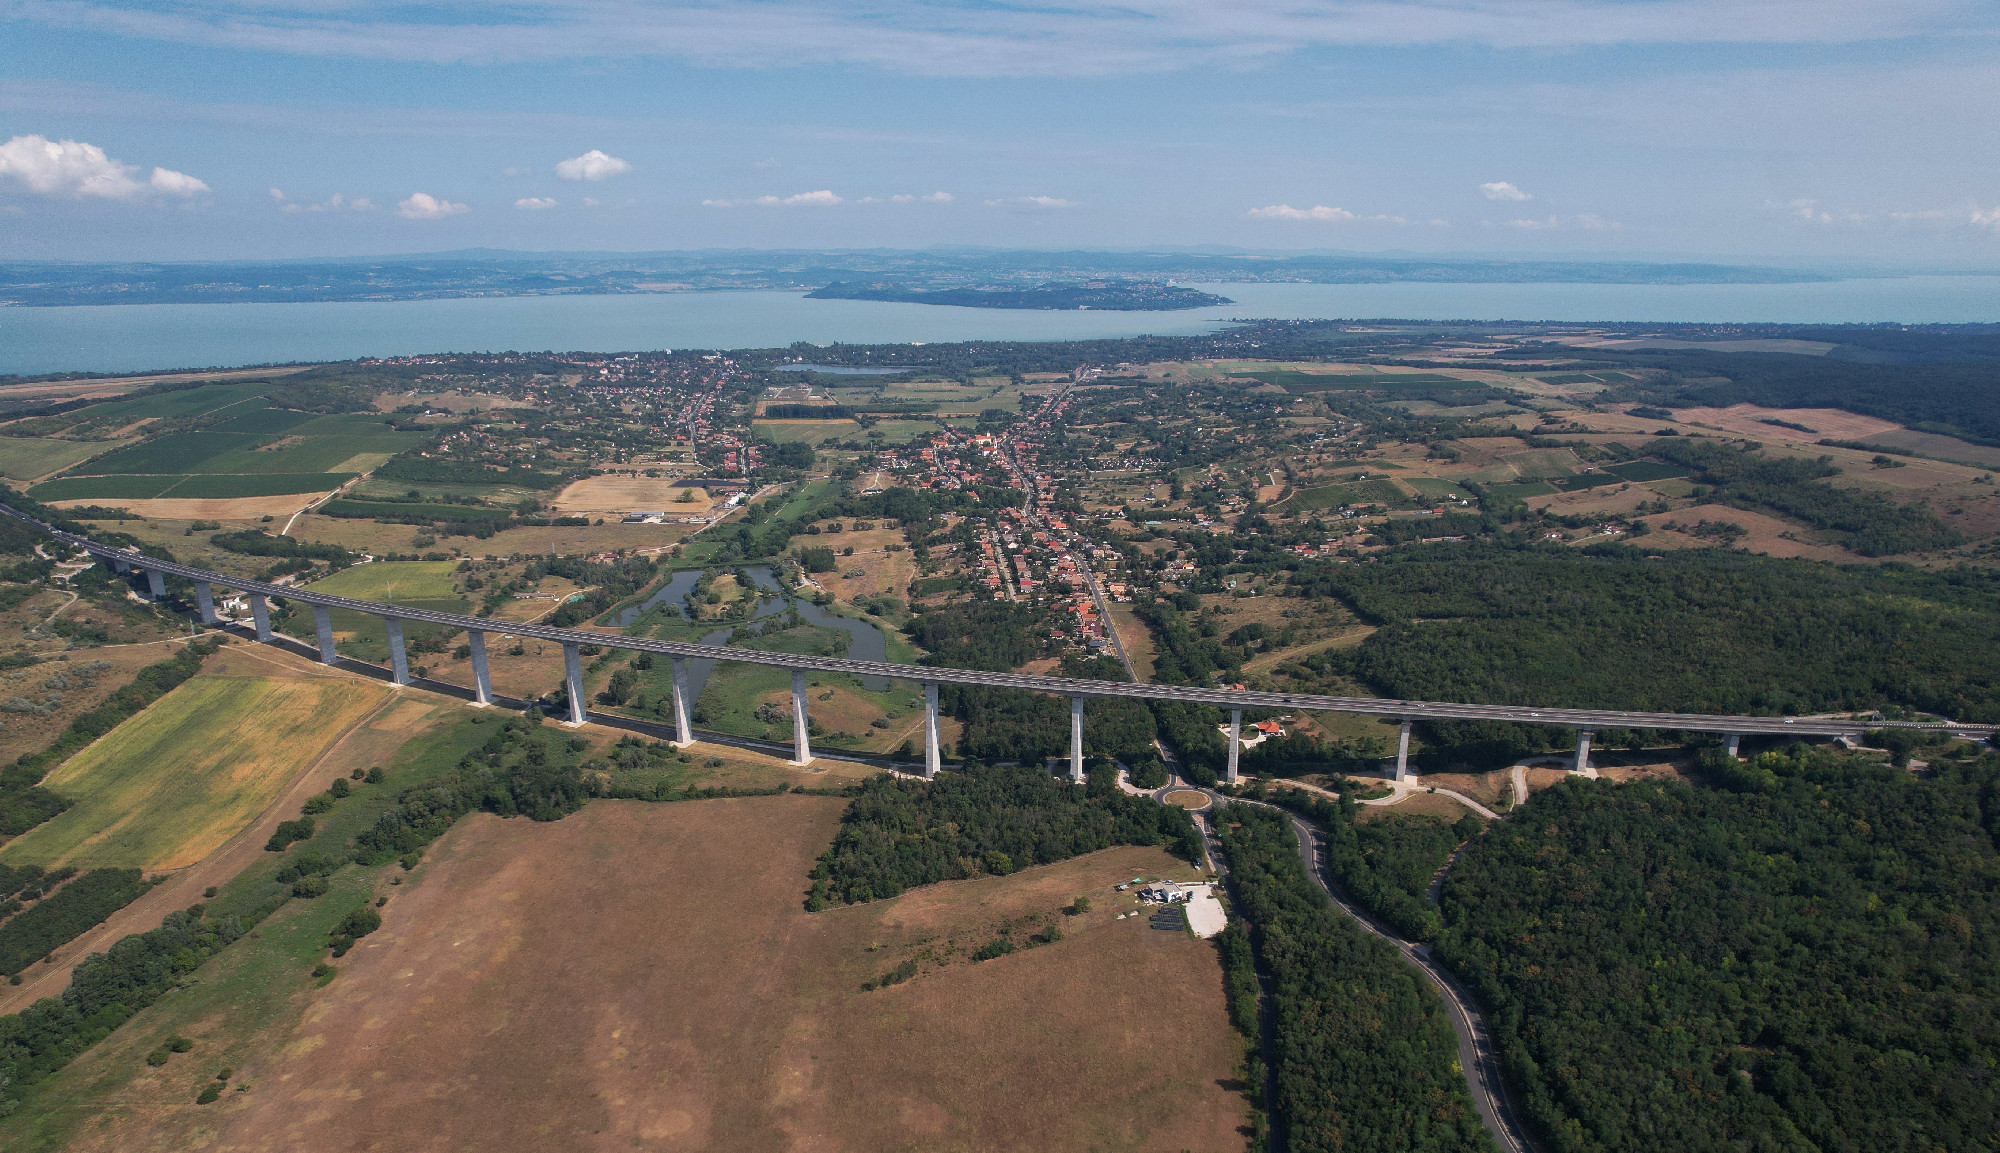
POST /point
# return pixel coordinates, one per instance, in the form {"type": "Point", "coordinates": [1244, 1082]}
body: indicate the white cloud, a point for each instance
{"type": "Point", "coordinates": [334, 203]}
{"type": "Point", "coordinates": [766, 164]}
{"type": "Point", "coordinates": [535, 203]}
{"type": "Point", "coordinates": [1588, 221]}
{"type": "Point", "coordinates": [590, 202]}
{"type": "Point", "coordinates": [1972, 217]}
{"type": "Point", "coordinates": [79, 171]}
{"type": "Point", "coordinates": [820, 199]}
{"type": "Point", "coordinates": [1031, 202]}
{"type": "Point", "coordinates": [1287, 212]}
{"type": "Point", "coordinates": [1324, 212]}
{"type": "Point", "coordinates": [718, 203]}
{"type": "Point", "coordinates": [517, 172]}
{"type": "Point", "coordinates": [423, 206]}
{"type": "Point", "coordinates": [1503, 190]}
{"type": "Point", "coordinates": [592, 165]}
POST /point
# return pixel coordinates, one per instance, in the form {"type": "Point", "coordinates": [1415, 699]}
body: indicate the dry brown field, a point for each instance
{"type": "Point", "coordinates": [618, 495]}
{"type": "Point", "coordinates": [1748, 420]}
{"type": "Point", "coordinates": [367, 536]}
{"type": "Point", "coordinates": [1764, 534]}
{"type": "Point", "coordinates": [247, 509]}
{"type": "Point", "coordinates": [1416, 805]}
{"type": "Point", "coordinates": [1482, 787]}
{"type": "Point", "coordinates": [27, 733]}
{"type": "Point", "coordinates": [883, 572]}
{"type": "Point", "coordinates": [643, 977]}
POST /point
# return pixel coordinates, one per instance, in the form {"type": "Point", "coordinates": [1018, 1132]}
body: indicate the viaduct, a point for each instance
{"type": "Point", "coordinates": [1584, 721]}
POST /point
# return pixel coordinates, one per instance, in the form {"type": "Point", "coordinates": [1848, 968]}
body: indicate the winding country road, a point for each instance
{"type": "Point", "coordinates": [1477, 1056]}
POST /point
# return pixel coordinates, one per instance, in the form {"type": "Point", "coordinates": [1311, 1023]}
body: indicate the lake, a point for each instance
{"type": "Point", "coordinates": [130, 338]}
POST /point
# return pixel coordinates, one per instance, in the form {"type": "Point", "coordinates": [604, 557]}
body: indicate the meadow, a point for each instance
{"type": "Point", "coordinates": [644, 975]}
{"type": "Point", "coordinates": [169, 786]}
{"type": "Point", "coordinates": [27, 457]}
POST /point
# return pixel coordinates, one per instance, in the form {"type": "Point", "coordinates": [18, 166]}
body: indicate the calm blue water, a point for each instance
{"type": "Point", "coordinates": [126, 338]}
{"type": "Point", "coordinates": [865, 640]}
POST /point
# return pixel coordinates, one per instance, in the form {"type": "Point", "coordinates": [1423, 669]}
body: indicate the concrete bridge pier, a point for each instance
{"type": "Point", "coordinates": [801, 748]}
{"type": "Point", "coordinates": [260, 615]}
{"type": "Point", "coordinates": [683, 733]}
{"type": "Point", "coordinates": [204, 599]}
{"type": "Point", "coordinates": [399, 660]}
{"type": "Point", "coordinates": [1735, 739]}
{"type": "Point", "coordinates": [1403, 753]}
{"type": "Point", "coordinates": [1583, 749]}
{"type": "Point", "coordinates": [932, 757]}
{"type": "Point", "coordinates": [1076, 739]}
{"type": "Point", "coordinates": [573, 681]}
{"type": "Point", "coordinates": [323, 623]}
{"type": "Point", "coordinates": [1235, 743]}
{"type": "Point", "coordinates": [156, 583]}
{"type": "Point", "coordinates": [482, 684]}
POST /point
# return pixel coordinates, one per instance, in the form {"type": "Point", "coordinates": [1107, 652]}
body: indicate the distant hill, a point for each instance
{"type": "Point", "coordinates": [1107, 296]}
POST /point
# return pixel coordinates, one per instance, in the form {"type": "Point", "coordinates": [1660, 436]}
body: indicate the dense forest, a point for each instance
{"type": "Point", "coordinates": [1696, 631]}
{"type": "Point", "coordinates": [1363, 1055]}
{"type": "Point", "coordinates": [898, 834]}
{"type": "Point", "coordinates": [1807, 959]}
{"type": "Point", "coordinates": [1387, 863]}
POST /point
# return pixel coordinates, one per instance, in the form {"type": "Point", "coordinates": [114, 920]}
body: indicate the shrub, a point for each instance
{"type": "Point", "coordinates": [208, 1094]}
{"type": "Point", "coordinates": [287, 832]}
{"type": "Point", "coordinates": [340, 788]}
{"type": "Point", "coordinates": [318, 803]}
{"type": "Point", "coordinates": [997, 947]}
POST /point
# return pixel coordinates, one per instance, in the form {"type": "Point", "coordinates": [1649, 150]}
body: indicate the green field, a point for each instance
{"type": "Point", "coordinates": [420, 584]}
{"type": "Point", "coordinates": [1645, 470]}
{"type": "Point", "coordinates": [1364, 381]}
{"type": "Point", "coordinates": [1522, 491]}
{"type": "Point", "coordinates": [212, 487]}
{"type": "Point", "coordinates": [812, 432]}
{"type": "Point", "coordinates": [169, 786]}
{"type": "Point", "coordinates": [181, 452]}
{"type": "Point", "coordinates": [181, 402]}
{"type": "Point", "coordinates": [255, 985]}
{"type": "Point", "coordinates": [1335, 495]}
{"type": "Point", "coordinates": [264, 421]}
{"type": "Point", "coordinates": [27, 457]}
{"type": "Point", "coordinates": [1436, 488]}
{"type": "Point", "coordinates": [396, 581]}
{"type": "Point", "coordinates": [104, 487]}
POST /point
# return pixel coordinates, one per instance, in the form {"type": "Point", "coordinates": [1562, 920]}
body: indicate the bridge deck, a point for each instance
{"type": "Point", "coordinates": [1589, 719]}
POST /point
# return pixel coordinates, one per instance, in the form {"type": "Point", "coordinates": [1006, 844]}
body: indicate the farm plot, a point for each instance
{"type": "Point", "coordinates": [812, 432]}
{"type": "Point", "coordinates": [27, 457]}
{"type": "Point", "coordinates": [417, 584]}
{"type": "Point", "coordinates": [169, 786]}
{"type": "Point", "coordinates": [643, 976]}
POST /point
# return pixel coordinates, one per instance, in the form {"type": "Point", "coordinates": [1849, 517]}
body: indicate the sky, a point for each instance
{"type": "Point", "coordinates": [1815, 132]}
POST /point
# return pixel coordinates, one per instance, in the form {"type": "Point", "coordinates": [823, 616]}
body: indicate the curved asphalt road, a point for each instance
{"type": "Point", "coordinates": [1477, 1056]}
